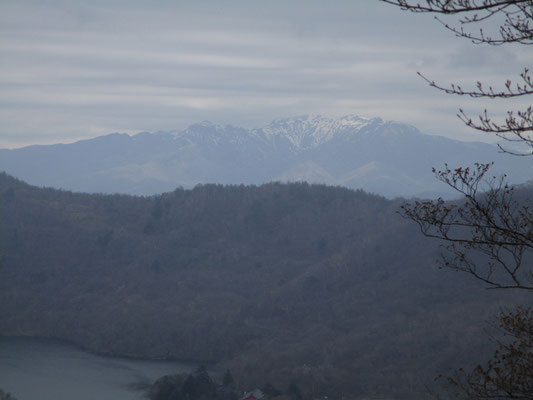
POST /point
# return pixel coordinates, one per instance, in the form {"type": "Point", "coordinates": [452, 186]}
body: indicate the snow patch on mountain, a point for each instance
{"type": "Point", "coordinates": [309, 131]}
{"type": "Point", "coordinates": [207, 131]}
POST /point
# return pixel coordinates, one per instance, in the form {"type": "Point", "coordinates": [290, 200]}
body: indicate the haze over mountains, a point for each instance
{"type": "Point", "coordinates": [383, 157]}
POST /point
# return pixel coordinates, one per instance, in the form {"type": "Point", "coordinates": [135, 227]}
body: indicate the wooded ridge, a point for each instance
{"type": "Point", "coordinates": [324, 286]}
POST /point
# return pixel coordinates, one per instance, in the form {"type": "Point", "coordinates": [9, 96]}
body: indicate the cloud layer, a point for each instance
{"type": "Point", "coordinates": [71, 69]}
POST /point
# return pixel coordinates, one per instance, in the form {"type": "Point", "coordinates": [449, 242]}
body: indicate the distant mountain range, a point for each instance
{"type": "Point", "coordinates": [383, 157]}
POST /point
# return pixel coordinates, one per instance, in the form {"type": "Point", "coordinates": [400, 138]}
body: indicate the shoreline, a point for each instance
{"type": "Point", "coordinates": [105, 354]}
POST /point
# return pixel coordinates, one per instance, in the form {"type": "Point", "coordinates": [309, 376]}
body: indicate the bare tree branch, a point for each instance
{"type": "Point", "coordinates": [489, 234]}
{"type": "Point", "coordinates": [516, 26]}
{"type": "Point", "coordinates": [509, 374]}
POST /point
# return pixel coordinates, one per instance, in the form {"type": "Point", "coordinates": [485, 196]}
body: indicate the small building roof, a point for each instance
{"type": "Point", "coordinates": [256, 394]}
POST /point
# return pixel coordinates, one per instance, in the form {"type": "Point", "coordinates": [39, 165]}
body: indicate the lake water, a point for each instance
{"type": "Point", "coordinates": [37, 369]}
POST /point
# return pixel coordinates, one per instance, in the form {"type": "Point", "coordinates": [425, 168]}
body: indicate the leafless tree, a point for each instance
{"type": "Point", "coordinates": [508, 374]}
{"type": "Point", "coordinates": [475, 17]}
{"type": "Point", "coordinates": [489, 232]}
{"type": "Point", "coordinates": [515, 27]}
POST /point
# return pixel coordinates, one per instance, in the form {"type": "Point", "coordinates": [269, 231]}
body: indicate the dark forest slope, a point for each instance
{"type": "Point", "coordinates": [279, 282]}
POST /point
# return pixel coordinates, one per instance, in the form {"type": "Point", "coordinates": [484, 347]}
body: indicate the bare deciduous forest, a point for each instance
{"type": "Point", "coordinates": [324, 286]}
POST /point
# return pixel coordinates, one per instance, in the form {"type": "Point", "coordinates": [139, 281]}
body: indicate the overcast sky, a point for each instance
{"type": "Point", "coordinates": [72, 70]}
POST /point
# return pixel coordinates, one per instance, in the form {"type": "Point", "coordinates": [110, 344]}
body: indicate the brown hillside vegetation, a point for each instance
{"type": "Point", "coordinates": [323, 286]}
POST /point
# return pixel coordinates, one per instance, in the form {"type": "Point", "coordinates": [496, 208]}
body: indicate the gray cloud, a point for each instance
{"type": "Point", "coordinates": [72, 69]}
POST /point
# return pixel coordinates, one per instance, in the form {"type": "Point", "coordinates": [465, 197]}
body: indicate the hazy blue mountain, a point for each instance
{"type": "Point", "coordinates": [388, 158]}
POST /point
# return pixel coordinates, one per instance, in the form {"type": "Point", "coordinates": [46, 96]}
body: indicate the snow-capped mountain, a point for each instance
{"type": "Point", "coordinates": [389, 158]}
{"type": "Point", "coordinates": [305, 132]}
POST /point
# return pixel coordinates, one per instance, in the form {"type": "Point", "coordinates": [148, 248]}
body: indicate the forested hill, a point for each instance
{"type": "Point", "coordinates": [325, 286]}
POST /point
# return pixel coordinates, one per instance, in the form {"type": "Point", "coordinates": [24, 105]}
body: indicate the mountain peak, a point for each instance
{"type": "Point", "coordinates": [208, 132]}
{"type": "Point", "coordinates": [307, 131]}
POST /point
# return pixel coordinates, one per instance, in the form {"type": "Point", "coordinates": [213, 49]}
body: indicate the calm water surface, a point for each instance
{"type": "Point", "coordinates": [37, 369]}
